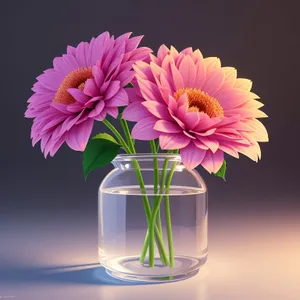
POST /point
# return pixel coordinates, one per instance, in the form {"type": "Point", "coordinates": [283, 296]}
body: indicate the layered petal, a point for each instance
{"type": "Point", "coordinates": [77, 137]}
{"type": "Point", "coordinates": [173, 141]}
{"type": "Point", "coordinates": [144, 129]}
{"type": "Point", "coordinates": [167, 126]}
{"type": "Point", "coordinates": [135, 111]}
{"type": "Point", "coordinates": [192, 156]}
{"type": "Point", "coordinates": [212, 162]}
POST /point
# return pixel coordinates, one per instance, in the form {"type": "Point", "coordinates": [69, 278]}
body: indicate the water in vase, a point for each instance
{"type": "Point", "coordinates": [123, 227]}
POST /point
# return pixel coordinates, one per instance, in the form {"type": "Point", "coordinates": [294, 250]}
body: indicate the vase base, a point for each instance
{"type": "Point", "coordinates": [130, 269]}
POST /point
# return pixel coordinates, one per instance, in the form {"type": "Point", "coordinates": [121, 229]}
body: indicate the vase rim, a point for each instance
{"type": "Point", "coordinates": [147, 157]}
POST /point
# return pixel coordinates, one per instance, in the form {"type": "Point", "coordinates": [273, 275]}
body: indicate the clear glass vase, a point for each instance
{"type": "Point", "coordinates": [152, 219]}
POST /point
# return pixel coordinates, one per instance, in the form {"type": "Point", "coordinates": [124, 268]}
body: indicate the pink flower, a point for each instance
{"type": "Point", "coordinates": [193, 104]}
{"type": "Point", "coordinates": [84, 85]}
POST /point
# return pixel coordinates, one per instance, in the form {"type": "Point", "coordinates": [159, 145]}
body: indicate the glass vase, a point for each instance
{"type": "Point", "coordinates": [152, 219]}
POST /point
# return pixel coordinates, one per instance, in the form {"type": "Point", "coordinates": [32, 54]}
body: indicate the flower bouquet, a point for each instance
{"type": "Point", "coordinates": [190, 109]}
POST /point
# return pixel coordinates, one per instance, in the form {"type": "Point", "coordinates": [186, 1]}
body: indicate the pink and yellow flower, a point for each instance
{"type": "Point", "coordinates": [193, 104]}
{"type": "Point", "coordinates": [83, 86]}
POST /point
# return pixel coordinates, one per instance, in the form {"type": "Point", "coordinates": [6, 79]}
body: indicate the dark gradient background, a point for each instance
{"type": "Point", "coordinates": [258, 37]}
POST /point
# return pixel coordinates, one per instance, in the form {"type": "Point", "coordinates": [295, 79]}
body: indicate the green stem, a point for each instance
{"type": "Point", "coordinates": [157, 147]}
{"type": "Point", "coordinates": [154, 213]}
{"type": "Point", "coordinates": [145, 247]}
{"type": "Point", "coordinates": [147, 209]}
{"type": "Point", "coordinates": [156, 181]}
{"type": "Point", "coordinates": [168, 211]}
{"type": "Point", "coordinates": [114, 130]}
{"type": "Point", "coordinates": [131, 150]}
{"type": "Point", "coordinates": [126, 130]}
{"type": "Point", "coordinates": [155, 184]}
{"type": "Point", "coordinates": [168, 216]}
{"type": "Point", "coordinates": [155, 162]}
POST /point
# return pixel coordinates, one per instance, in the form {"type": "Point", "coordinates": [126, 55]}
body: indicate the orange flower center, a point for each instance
{"type": "Point", "coordinates": [75, 79]}
{"type": "Point", "coordinates": [201, 102]}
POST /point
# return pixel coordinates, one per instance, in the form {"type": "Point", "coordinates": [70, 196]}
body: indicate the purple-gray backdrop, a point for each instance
{"type": "Point", "coordinates": [48, 214]}
{"type": "Point", "coordinates": [259, 38]}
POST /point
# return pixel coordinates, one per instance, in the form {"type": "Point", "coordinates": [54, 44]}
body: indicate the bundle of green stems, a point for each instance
{"type": "Point", "coordinates": [161, 186]}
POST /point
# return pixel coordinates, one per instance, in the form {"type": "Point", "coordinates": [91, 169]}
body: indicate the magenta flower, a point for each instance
{"type": "Point", "coordinates": [84, 85]}
{"type": "Point", "coordinates": [195, 105]}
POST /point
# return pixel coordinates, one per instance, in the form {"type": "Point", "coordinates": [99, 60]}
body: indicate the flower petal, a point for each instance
{"type": "Point", "coordinates": [244, 84]}
{"type": "Point", "coordinates": [140, 53]}
{"type": "Point", "coordinates": [113, 111]}
{"type": "Point", "coordinates": [65, 64]}
{"type": "Point", "coordinates": [259, 130]}
{"type": "Point", "coordinates": [214, 81]}
{"type": "Point", "coordinates": [162, 51]}
{"type": "Point", "coordinates": [56, 145]}
{"type": "Point", "coordinates": [149, 90]}
{"type": "Point", "coordinates": [200, 74]}
{"type": "Point", "coordinates": [229, 149]}
{"type": "Point", "coordinates": [54, 122]}
{"type": "Point", "coordinates": [213, 162]}
{"type": "Point", "coordinates": [120, 99]}
{"type": "Point", "coordinates": [166, 126]}
{"type": "Point", "coordinates": [98, 76]}
{"type": "Point", "coordinates": [192, 156]}
{"type": "Point", "coordinates": [78, 95]}
{"type": "Point", "coordinates": [212, 144]}
{"type": "Point", "coordinates": [143, 70]}
{"type": "Point", "coordinates": [177, 78]}
{"type": "Point", "coordinates": [81, 54]}
{"type": "Point", "coordinates": [205, 133]}
{"type": "Point", "coordinates": [68, 124]}
{"type": "Point", "coordinates": [133, 42]}
{"type": "Point", "coordinates": [165, 88]}
{"type": "Point", "coordinates": [173, 141]}
{"type": "Point", "coordinates": [91, 88]}
{"type": "Point", "coordinates": [143, 129]}
{"type": "Point", "coordinates": [97, 110]}
{"type": "Point", "coordinates": [191, 120]}
{"type": "Point", "coordinates": [135, 111]}
{"type": "Point", "coordinates": [212, 63]}
{"type": "Point", "coordinates": [230, 98]}
{"type": "Point", "coordinates": [200, 145]}
{"type": "Point", "coordinates": [61, 107]}
{"type": "Point", "coordinates": [158, 109]}
{"type": "Point", "coordinates": [101, 116]}
{"type": "Point", "coordinates": [78, 135]}
{"type": "Point", "coordinates": [125, 77]}
{"type": "Point", "coordinates": [112, 89]}
{"type": "Point", "coordinates": [230, 76]}
{"type": "Point", "coordinates": [206, 123]}
{"type": "Point", "coordinates": [51, 79]}
{"type": "Point", "coordinates": [75, 107]}
{"type": "Point", "coordinates": [197, 56]}
{"type": "Point", "coordinates": [188, 72]}
{"type": "Point", "coordinates": [253, 151]}
{"type": "Point", "coordinates": [91, 102]}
